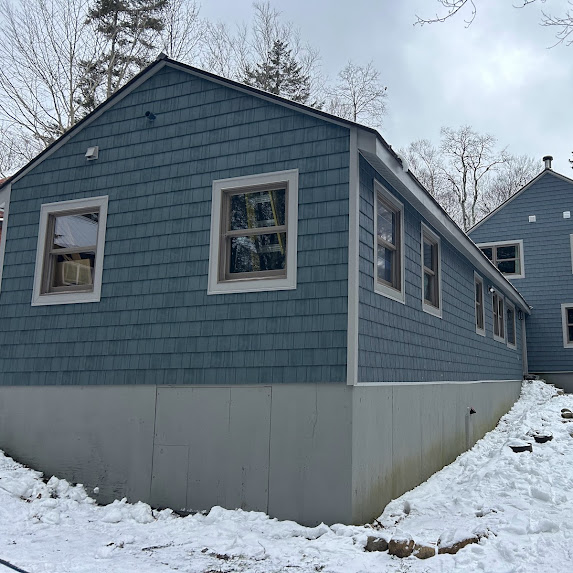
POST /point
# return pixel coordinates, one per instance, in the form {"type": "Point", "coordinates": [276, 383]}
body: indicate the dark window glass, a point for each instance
{"type": "Point", "coordinates": [258, 253]}
{"type": "Point", "coordinates": [510, 326]}
{"type": "Point", "coordinates": [386, 224]}
{"type": "Point", "coordinates": [570, 315]}
{"type": "Point", "coordinates": [260, 209]}
{"type": "Point", "coordinates": [508, 252]}
{"type": "Point", "coordinates": [429, 255]}
{"type": "Point", "coordinates": [570, 328]}
{"type": "Point", "coordinates": [507, 267]}
{"type": "Point", "coordinates": [487, 251]}
{"type": "Point", "coordinates": [385, 263]}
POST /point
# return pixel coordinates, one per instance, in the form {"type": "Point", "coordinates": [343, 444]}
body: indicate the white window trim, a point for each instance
{"type": "Point", "coordinates": [215, 286]}
{"type": "Point", "coordinates": [4, 199]}
{"type": "Point", "coordinates": [39, 299]}
{"type": "Point", "coordinates": [519, 242]}
{"type": "Point", "coordinates": [507, 306]}
{"type": "Point", "coordinates": [430, 309]}
{"type": "Point", "coordinates": [386, 290]}
{"type": "Point", "coordinates": [478, 279]}
{"type": "Point", "coordinates": [571, 250]}
{"type": "Point", "coordinates": [564, 306]}
{"type": "Point", "coordinates": [495, 336]}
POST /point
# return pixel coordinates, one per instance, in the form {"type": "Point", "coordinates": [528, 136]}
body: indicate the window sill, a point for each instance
{"type": "Point", "coordinates": [389, 292]}
{"type": "Point", "coordinates": [480, 331]}
{"type": "Point", "coordinates": [251, 285]}
{"type": "Point", "coordinates": [65, 298]}
{"type": "Point", "coordinates": [433, 310]}
{"type": "Point", "coordinates": [499, 339]}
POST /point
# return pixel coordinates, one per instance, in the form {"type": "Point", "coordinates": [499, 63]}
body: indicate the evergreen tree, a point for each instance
{"type": "Point", "coordinates": [280, 74]}
{"type": "Point", "coordinates": [127, 31]}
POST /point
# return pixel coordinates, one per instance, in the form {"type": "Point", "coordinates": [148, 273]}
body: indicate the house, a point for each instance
{"type": "Point", "coordinates": [273, 313]}
{"type": "Point", "coordinates": [530, 239]}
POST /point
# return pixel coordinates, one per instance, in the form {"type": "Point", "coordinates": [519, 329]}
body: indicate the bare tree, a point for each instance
{"type": "Point", "coordinates": [517, 172]}
{"type": "Point", "coordinates": [184, 32]}
{"type": "Point", "coordinates": [41, 43]}
{"type": "Point", "coordinates": [563, 23]}
{"type": "Point", "coordinates": [467, 174]}
{"type": "Point", "coordinates": [359, 95]}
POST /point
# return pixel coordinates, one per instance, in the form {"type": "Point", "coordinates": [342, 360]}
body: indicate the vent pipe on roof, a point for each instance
{"type": "Point", "coordinates": [548, 159]}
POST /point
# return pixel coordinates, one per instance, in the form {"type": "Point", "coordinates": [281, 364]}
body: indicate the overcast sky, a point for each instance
{"type": "Point", "coordinates": [498, 75]}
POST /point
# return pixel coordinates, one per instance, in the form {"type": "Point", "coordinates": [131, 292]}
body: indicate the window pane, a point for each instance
{"type": "Point", "coordinates": [258, 253]}
{"type": "Point", "coordinates": [73, 270]}
{"type": "Point", "coordinates": [507, 267]}
{"type": "Point", "coordinates": [478, 292]}
{"type": "Point", "coordinates": [385, 263]}
{"type": "Point", "coordinates": [570, 316]}
{"type": "Point", "coordinates": [386, 223]}
{"type": "Point", "coordinates": [260, 209]}
{"type": "Point", "coordinates": [430, 289]}
{"type": "Point", "coordinates": [509, 252]}
{"type": "Point", "coordinates": [487, 251]}
{"type": "Point", "coordinates": [510, 326]}
{"type": "Point", "coordinates": [72, 231]}
{"type": "Point", "coordinates": [570, 329]}
{"type": "Point", "coordinates": [429, 255]}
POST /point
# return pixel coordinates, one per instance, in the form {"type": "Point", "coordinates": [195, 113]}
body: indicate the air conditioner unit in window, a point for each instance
{"type": "Point", "coordinates": [76, 272]}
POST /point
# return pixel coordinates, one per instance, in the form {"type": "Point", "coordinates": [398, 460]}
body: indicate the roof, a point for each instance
{"type": "Point", "coordinates": [371, 144]}
{"type": "Point", "coordinates": [546, 171]}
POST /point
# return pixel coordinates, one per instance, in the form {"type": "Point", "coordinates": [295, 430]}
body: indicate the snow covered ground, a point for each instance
{"type": "Point", "coordinates": [519, 506]}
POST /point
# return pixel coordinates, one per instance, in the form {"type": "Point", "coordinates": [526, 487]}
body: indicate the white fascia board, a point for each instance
{"type": "Point", "coordinates": [441, 222]}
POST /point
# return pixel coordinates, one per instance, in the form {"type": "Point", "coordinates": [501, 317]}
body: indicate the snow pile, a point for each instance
{"type": "Point", "coordinates": [512, 511]}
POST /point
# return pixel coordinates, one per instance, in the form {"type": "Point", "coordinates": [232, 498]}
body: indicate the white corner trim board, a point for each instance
{"type": "Point", "coordinates": [5, 205]}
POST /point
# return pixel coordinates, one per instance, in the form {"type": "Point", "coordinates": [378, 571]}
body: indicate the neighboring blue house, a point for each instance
{"type": "Point", "coordinates": [530, 239]}
{"type": "Point", "coordinates": [212, 295]}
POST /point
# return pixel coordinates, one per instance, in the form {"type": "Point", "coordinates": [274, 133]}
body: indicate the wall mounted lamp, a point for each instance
{"type": "Point", "coordinates": [490, 289]}
{"type": "Point", "coordinates": [149, 115]}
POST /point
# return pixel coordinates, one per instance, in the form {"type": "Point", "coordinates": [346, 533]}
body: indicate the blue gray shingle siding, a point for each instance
{"type": "Point", "coordinates": [402, 343]}
{"type": "Point", "coordinates": [548, 280]}
{"type": "Point", "coordinates": [155, 322]}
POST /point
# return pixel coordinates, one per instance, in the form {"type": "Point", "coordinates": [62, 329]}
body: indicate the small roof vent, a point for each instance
{"type": "Point", "coordinates": [548, 159]}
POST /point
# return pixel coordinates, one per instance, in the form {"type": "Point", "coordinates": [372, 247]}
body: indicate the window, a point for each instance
{"type": "Point", "coordinates": [479, 308]}
{"type": "Point", "coordinates": [69, 258]}
{"type": "Point", "coordinates": [567, 323]}
{"type": "Point", "coordinates": [431, 268]}
{"type": "Point", "coordinates": [511, 327]}
{"type": "Point", "coordinates": [498, 318]}
{"type": "Point", "coordinates": [388, 244]}
{"type": "Point", "coordinates": [253, 233]}
{"type": "Point", "coordinates": [507, 256]}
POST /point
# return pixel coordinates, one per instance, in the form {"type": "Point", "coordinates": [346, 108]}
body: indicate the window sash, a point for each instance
{"type": "Point", "coordinates": [498, 318]}
{"type": "Point", "coordinates": [504, 261]}
{"type": "Point", "coordinates": [431, 285]}
{"type": "Point", "coordinates": [394, 249]}
{"type": "Point", "coordinates": [227, 235]}
{"type": "Point", "coordinates": [569, 324]}
{"type": "Point", "coordinates": [479, 308]}
{"type": "Point", "coordinates": [511, 326]}
{"type": "Point", "coordinates": [49, 267]}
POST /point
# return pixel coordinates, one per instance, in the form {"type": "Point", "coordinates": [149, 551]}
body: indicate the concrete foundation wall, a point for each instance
{"type": "Point", "coordinates": [306, 452]}
{"type": "Point", "coordinates": [562, 380]}
{"type": "Point", "coordinates": [402, 434]}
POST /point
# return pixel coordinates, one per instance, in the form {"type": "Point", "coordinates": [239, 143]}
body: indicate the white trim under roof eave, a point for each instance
{"type": "Point", "coordinates": [370, 145]}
